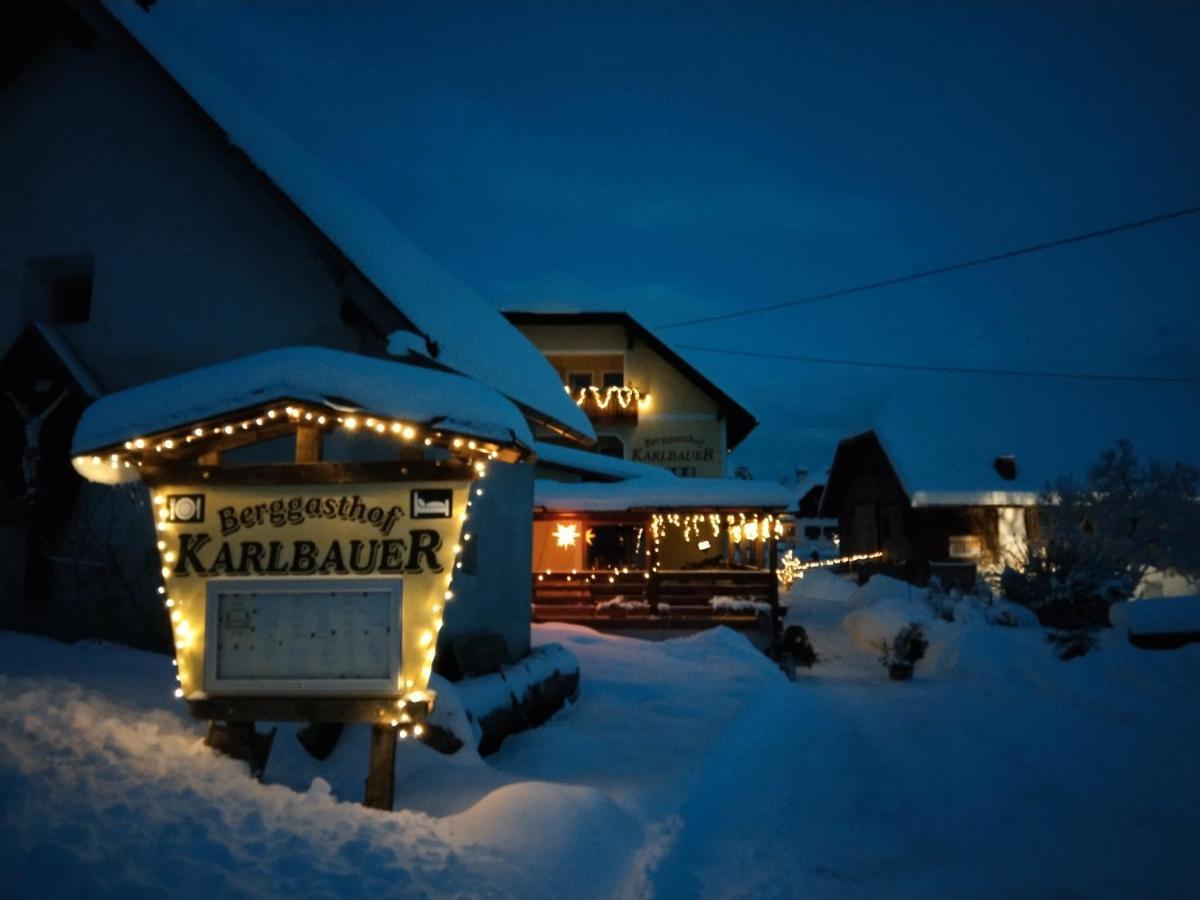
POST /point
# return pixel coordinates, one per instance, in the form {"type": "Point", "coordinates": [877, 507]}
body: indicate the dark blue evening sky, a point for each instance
{"type": "Point", "coordinates": [683, 159]}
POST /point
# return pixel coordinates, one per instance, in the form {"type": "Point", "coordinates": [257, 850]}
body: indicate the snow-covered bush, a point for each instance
{"type": "Point", "coordinates": [1071, 644]}
{"type": "Point", "coordinates": [1098, 538]}
{"type": "Point", "coordinates": [941, 601]}
{"type": "Point", "coordinates": [904, 652]}
{"type": "Point", "coordinates": [910, 645]}
{"type": "Point", "coordinates": [1011, 615]}
{"type": "Point", "coordinates": [795, 649]}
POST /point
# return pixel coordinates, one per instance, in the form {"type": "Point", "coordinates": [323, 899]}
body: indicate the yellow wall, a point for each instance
{"type": "Point", "coordinates": [548, 555]}
{"type": "Point", "coordinates": [681, 428]}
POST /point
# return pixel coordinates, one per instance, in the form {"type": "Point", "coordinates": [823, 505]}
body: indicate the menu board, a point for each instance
{"type": "Point", "coordinates": [275, 633]}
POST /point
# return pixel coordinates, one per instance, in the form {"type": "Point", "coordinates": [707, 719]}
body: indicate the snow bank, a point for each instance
{"type": "Point", "coordinates": [1159, 615]}
{"type": "Point", "coordinates": [821, 584]}
{"type": "Point", "coordinates": [517, 697]}
{"type": "Point", "coordinates": [723, 645]}
{"type": "Point", "coordinates": [961, 629]}
{"type": "Point", "coordinates": [871, 625]}
{"type": "Point", "coordinates": [884, 587]}
{"type": "Point", "coordinates": [99, 802]}
{"type": "Point", "coordinates": [688, 767]}
{"type": "Point", "coordinates": [567, 818]}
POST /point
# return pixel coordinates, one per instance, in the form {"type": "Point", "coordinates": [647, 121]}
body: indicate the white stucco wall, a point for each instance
{"type": "Point", "coordinates": [497, 598]}
{"type": "Point", "coordinates": [193, 261]}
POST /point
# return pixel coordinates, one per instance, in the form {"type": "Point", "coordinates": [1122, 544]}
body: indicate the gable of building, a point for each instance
{"type": "Point", "coordinates": [374, 280]}
{"type": "Point", "coordinates": [174, 251]}
{"type": "Point", "coordinates": [592, 342]}
{"type": "Point", "coordinates": [461, 330]}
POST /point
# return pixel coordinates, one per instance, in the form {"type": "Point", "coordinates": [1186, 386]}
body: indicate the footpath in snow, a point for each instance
{"type": "Point", "coordinates": [688, 768]}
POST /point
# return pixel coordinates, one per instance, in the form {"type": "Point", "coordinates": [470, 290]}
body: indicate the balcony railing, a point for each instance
{"type": "Point", "coordinates": [623, 402]}
{"type": "Point", "coordinates": [658, 599]}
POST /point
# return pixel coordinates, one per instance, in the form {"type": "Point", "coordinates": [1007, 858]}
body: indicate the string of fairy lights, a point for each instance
{"type": "Point", "coordinates": [197, 438]}
{"type": "Point", "coordinates": [739, 526]}
{"type": "Point", "coordinates": [791, 568]}
{"type": "Point", "coordinates": [625, 395]}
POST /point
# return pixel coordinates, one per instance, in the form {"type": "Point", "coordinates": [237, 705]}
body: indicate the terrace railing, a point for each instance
{"type": "Point", "coordinates": [680, 599]}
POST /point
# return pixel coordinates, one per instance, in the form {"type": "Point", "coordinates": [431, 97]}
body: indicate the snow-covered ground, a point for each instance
{"type": "Point", "coordinates": [688, 768]}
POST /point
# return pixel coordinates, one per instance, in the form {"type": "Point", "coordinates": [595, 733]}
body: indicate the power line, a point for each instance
{"type": "Point", "coordinates": [956, 370]}
{"type": "Point", "coordinates": [940, 270]}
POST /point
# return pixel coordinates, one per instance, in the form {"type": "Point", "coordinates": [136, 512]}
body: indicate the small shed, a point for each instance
{"type": "Point", "coordinates": [947, 481]}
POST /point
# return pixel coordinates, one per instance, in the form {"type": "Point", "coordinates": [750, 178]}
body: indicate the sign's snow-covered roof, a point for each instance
{"type": "Point", "coordinates": [472, 337]}
{"type": "Point", "coordinates": [587, 463]}
{"type": "Point", "coordinates": [943, 442]}
{"type": "Point", "coordinates": [660, 494]}
{"type": "Point", "coordinates": [416, 394]}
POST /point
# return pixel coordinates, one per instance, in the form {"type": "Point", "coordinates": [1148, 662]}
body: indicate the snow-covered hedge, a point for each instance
{"type": "Point", "coordinates": [482, 712]}
{"type": "Point", "coordinates": [1159, 615]}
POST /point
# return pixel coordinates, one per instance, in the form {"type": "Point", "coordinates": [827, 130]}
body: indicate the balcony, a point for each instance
{"type": "Point", "coordinates": [621, 403]}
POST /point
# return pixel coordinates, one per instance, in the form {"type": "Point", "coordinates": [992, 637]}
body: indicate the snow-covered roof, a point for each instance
{"type": "Point", "coordinates": [598, 465]}
{"type": "Point", "coordinates": [345, 381]}
{"type": "Point", "coordinates": [472, 337]}
{"type": "Point", "coordinates": [660, 494]}
{"type": "Point", "coordinates": [943, 442]}
{"type": "Point", "coordinates": [1157, 615]}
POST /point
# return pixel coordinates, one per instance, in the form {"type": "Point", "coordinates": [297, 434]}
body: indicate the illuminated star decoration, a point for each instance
{"type": "Point", "coordinates": [566, 534]}
{"type": "Point", "coordinates": [589, 536]}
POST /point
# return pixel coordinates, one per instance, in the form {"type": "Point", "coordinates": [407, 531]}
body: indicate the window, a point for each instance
{"type": "Point", "coordinates": [579, 381]}
{"type": "Point", "coordinates": [610, 445]}
{"type": "Point", "coordinates": [812, 532]}
{"type": "Point", "coordinates": [58, 289]}
{"type": "Point", "coordinates": [613, 379]}
{"type": "Point", "coordinates": [1006, 467]}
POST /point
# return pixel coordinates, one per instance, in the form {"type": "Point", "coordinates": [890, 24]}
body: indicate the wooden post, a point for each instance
{"type": "Point", "coordinates": [650, 585]}
{"type": "Point", "coordinates": [381, 770]}
{"type": "Point", "coordinates": [308, 443]}
{"type": "Point", "coordinates": [776, 612]}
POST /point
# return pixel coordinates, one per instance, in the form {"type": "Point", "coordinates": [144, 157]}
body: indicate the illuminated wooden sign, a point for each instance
{"type": "Point", "coordinates": [298, 590]}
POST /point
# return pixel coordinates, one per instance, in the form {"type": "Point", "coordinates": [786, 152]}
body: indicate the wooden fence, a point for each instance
{"type": "Point", "coordinates": [681, 599]}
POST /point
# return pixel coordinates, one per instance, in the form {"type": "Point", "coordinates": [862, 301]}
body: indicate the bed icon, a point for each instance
{"type": "Point", "coordinates": [433, 503]}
